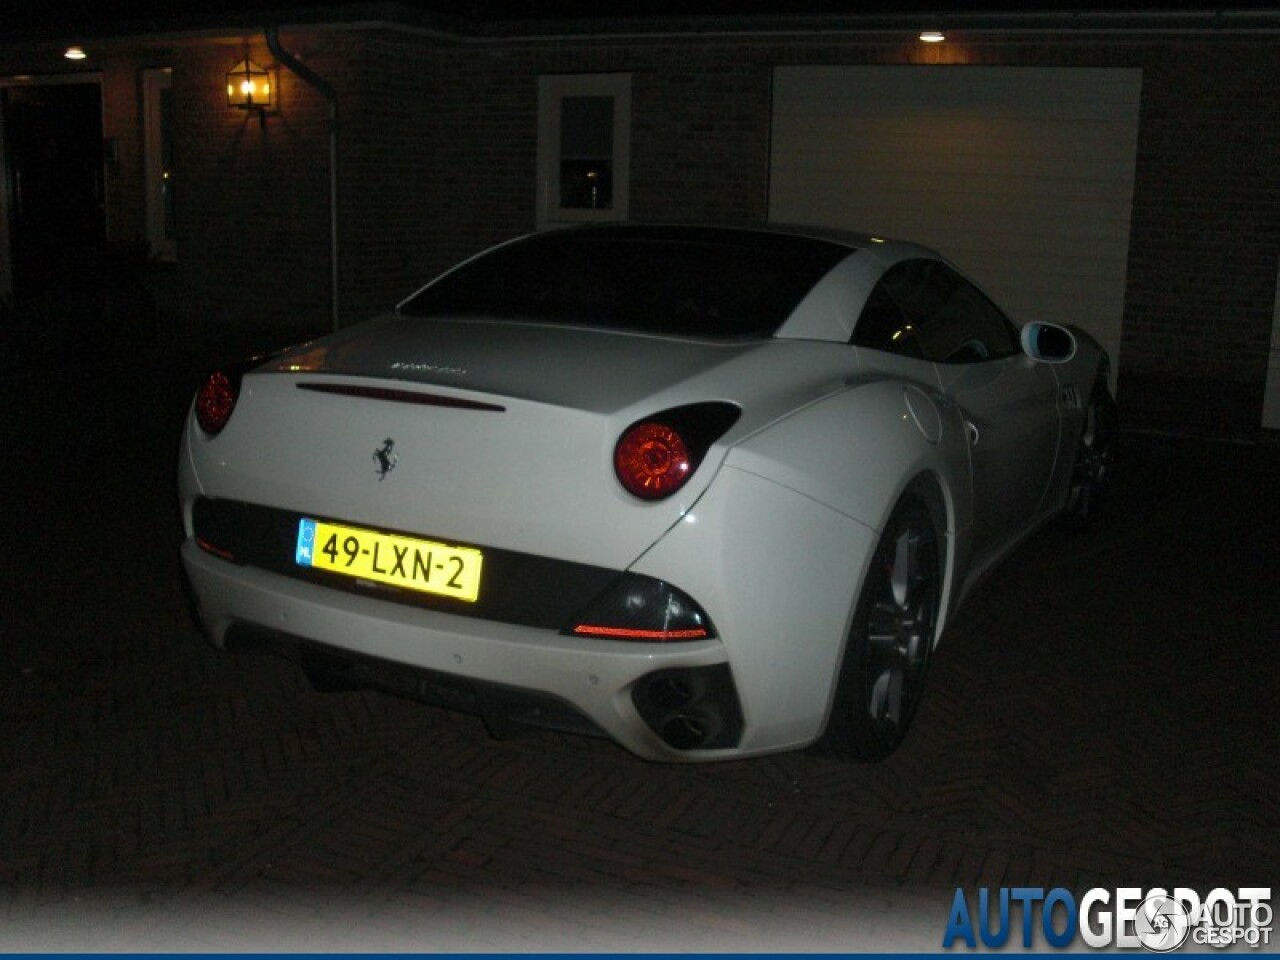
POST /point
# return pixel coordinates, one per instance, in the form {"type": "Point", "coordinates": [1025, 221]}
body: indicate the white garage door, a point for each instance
{"type": "Point", "coordinates": [1022, 176]}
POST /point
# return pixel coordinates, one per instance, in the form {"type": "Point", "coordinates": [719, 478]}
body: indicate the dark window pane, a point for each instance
{"type": "Point", "coordinates": [586, 153]}
{"type": "Point", "coordinates": [586, 126]}
{"type": "Point", "coordinates": [703, 282]}
{"type": "Point", "coordinates": [883, 326]}
{"type": "Point", "coordinates": [953, 319]}
{"type": "Point", "coordinates": [166, 162]}
{"type": "Point", "coordinates": [586, 184]}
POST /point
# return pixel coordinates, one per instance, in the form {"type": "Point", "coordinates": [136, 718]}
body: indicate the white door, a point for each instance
{"type": "Point", "coordinates": [923, 308]}
{"type": "Point", "coordinates": [1010, 409]}
{"type": "Point", "coordinates": [1022, 176]}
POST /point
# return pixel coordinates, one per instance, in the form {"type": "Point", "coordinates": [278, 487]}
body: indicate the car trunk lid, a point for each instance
{"type": "Point", "coordinates": [490, 434]}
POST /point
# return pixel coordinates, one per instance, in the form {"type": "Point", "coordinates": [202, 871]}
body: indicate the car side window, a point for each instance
{"type": "Point", "coordinates": [952, 320]}
{"type": "Point", "coordinates": [883, 326]}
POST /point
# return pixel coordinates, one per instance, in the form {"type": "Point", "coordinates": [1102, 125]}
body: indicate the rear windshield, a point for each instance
{"type": "Point", "coordinates": [701, 282]}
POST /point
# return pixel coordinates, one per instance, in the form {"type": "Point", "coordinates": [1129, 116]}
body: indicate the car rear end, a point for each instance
{"type": "Point", "coordinates": [529, 520]}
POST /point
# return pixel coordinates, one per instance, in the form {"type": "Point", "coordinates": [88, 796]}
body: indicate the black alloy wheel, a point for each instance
{"type": "Point", "coordinates": [1095, 455]}
{"type": "Point", "coordinates": [890, 641]}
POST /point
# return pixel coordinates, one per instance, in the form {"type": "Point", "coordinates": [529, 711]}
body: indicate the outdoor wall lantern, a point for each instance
{"type": "Point", "coordinates": [250, 87]}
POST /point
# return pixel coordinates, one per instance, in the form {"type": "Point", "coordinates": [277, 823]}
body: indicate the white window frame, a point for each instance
{"type": "Point", "coordinates": [154, 82]}
{"type": "Point", "coordinates": [552, 90]}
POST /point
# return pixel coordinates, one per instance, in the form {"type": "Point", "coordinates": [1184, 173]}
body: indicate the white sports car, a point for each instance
{"type": "Point", "coordinates": [710, 492]}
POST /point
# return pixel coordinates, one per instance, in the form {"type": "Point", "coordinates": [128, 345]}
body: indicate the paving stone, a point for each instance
{"type": "Point", "coordinates": [1101, 713]}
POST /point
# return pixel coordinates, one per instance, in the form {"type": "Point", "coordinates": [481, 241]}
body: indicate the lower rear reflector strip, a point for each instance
{"type": "Point", "coordinates": [621, 633]}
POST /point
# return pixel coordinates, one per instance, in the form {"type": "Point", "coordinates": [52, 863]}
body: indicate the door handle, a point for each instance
{"type": "Point", "coordinates": [974, 433]}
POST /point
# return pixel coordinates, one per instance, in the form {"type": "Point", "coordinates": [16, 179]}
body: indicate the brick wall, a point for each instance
{"type": "Point", "coordinates": [441, 149]}
{"type": "Point", "coordinates": [438, 159]}
{"type": "Point", "coordinates": [252, 200]}
{"type": "Point", "coordinates": [1205, 235]}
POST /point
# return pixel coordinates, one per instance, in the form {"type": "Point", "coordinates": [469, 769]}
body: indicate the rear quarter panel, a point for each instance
{"type": "Point", "coordinates": [857, 450]}
{"type": "Point", "coordinates": [777, 548]}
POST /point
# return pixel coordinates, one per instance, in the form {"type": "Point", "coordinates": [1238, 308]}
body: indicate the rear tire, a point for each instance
{"type": "Point", "coordinates": [890, 640]}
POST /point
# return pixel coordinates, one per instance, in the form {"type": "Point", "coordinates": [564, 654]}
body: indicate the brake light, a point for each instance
{"type": "Point", "coordinates": [656, 456]}
{"type": "Point", "coordinates": [215, 402]}
{"type": "Point", "coordinates": [652, 461]}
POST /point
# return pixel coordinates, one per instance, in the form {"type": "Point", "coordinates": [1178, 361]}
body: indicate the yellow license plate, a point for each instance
{"type": "Point", "coordinates": [422, 565]}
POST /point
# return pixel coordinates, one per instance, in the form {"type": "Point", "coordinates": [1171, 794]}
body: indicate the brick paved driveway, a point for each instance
{"type": "Point", "coordinates": [1103, 713]}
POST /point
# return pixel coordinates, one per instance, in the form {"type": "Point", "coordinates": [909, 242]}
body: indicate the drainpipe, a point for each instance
{"type": "Point", "coordinates": [326, 90]}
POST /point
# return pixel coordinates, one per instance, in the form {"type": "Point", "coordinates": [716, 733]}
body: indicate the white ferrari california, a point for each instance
{"type": "Point", "coordinates": [710, 492]}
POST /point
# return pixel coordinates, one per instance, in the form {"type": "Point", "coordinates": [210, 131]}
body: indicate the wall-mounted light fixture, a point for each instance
{"type": "Point", "coordinates": [75, 53]}
{"type": "Point", "coordinates": [250, 87]}
{"type": "Point", "coordinates": [932, 36]}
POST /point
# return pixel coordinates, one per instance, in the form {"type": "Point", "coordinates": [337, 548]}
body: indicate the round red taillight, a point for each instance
{"type": "Point", "coordinates": [214, 402]}
{"type": "Point", "coordinates": [652, 461]}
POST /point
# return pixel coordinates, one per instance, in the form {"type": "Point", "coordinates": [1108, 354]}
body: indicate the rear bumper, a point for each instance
{"type": "Point", "coordinates": [587, 685]}
{"type": "Point", "coordinates": [777, 572]}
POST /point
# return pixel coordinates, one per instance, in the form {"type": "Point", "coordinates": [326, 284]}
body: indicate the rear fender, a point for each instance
{"type": "Point", "coordinates": [774, 570]}
{"type": "Point", "coordinates": [858, 450]}
{"type": "Point", "coordinates": [777, 548]}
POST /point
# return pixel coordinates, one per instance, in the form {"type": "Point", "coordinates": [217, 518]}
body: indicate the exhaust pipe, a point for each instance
{"type": "Point", "coordinates": [691, 729]}
{"type": "Point", "coordinates": [693, 708]}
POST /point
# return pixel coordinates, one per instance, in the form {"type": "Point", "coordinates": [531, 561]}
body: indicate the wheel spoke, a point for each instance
{"type": "Point", "coordinates": [893, 701]}
{"type": "Point", "coordinates": [882, 641]}
{"type": "Point", "coordinates": [903, 568]}
{"type": "Point", "coordinates": [877, 695]}
{"type": "Point", "coordinates": [1090, 436]}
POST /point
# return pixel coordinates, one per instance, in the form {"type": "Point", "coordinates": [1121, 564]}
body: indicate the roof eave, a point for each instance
{"type": "Point", "coordinates": [397, 15]}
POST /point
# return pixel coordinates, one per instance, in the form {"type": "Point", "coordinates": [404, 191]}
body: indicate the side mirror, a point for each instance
{"type": "Point", "coordinates": [1048, 342]}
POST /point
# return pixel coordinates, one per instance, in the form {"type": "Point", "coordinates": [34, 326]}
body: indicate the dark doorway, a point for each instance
{"type": "Point", "coordinates": [57, 216]}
